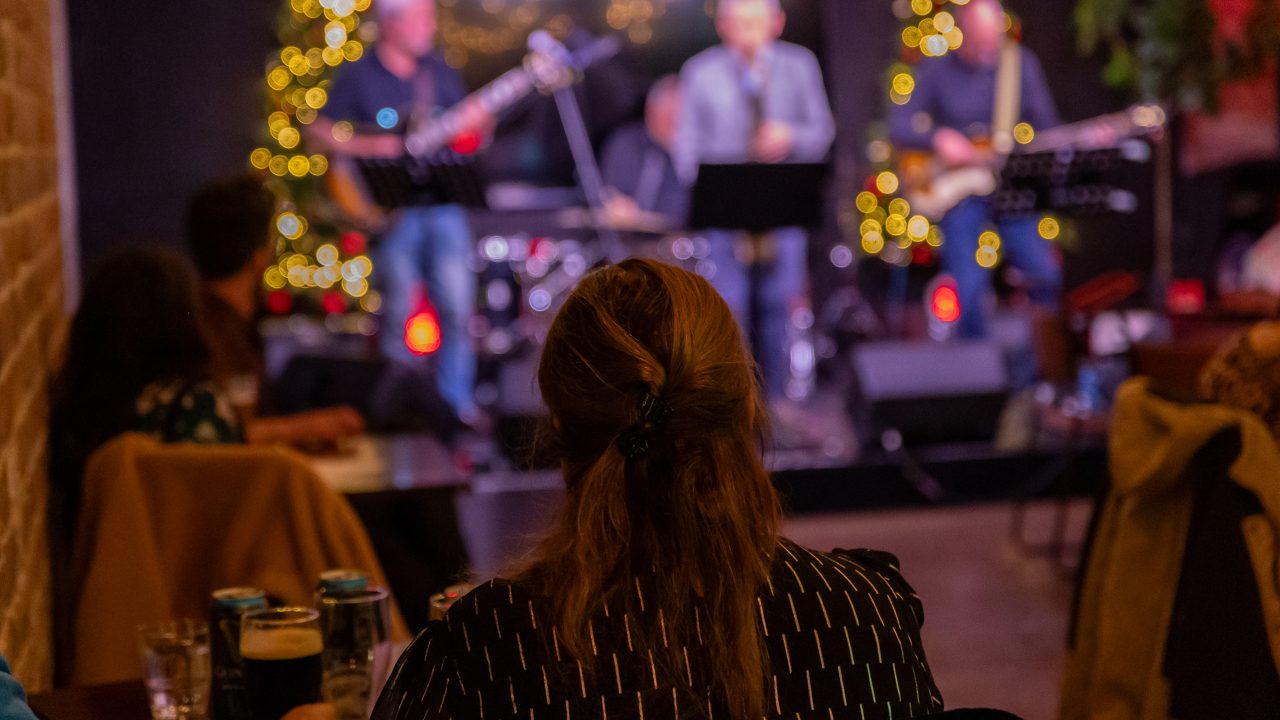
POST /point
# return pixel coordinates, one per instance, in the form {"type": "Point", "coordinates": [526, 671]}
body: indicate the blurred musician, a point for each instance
{"type": "Point", "coordinates": [954, 104]}
{"type": "Point", "coordinates": [428, 243]}
{"type": "Point", "coordinates": [755, 99]}
{"type": "Point", "coordinates": [637, 165]}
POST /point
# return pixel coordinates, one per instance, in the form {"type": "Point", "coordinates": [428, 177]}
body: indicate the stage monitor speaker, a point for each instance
{"type": "Point", "coordinates": [929, 392]}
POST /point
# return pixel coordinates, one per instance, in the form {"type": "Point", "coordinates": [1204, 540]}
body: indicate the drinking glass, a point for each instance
{"type": "Point", "coordinates": [175, 661]}
{"type": "Point", "coordinates": [281, 650]}
{"type": "Point", "coordinates": [357, 650]}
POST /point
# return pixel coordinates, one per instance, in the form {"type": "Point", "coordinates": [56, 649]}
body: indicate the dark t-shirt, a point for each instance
{"type": "Point", "coordinates": [366, 94]}
{"type": "Point", "coordinates": [635, 165]}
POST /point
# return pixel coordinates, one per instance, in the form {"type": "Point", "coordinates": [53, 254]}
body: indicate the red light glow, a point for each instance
{"type": "Point", "coordinates": [422, 334]}
{"type": "Point", "coordinates": [945, 304]}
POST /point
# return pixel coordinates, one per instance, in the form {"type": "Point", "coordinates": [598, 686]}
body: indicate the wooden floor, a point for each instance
{"type": "Point", "coordinates": [995, 618]}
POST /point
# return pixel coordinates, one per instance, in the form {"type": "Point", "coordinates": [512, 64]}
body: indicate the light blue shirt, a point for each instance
{"type": "Point", "coordinates": [718, 111]}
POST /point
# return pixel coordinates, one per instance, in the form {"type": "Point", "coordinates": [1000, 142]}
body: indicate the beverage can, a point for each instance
{"type": "Point", "coordinates": [343, 582]}
{"type": "Point", "coordinates": [228, 700]}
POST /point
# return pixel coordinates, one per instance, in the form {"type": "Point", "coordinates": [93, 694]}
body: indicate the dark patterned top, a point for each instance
{"type": "Point", "coordinates": [176, 412]}
{"type": "Point", "coordinates": [842, 631]}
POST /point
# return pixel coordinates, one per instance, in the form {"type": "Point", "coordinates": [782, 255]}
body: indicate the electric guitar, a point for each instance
{"type": "Point", "coordinates": [548, 67]}
{"type": "Point", "coordinates": [933, 188]}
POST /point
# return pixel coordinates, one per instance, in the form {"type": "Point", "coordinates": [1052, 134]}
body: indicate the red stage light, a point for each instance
{"type": "Point", "coordinates": [422, 333]}
{"type": "Point", "coordinates": [333, 303]}
{"type": "Point", "coordinates": [945, 304]}
{"type": "Point", "coordinates": [279, 302]}
{"type": "Point", "coordinates": [353, 243]}
{"type": "Point", "coordinates": [466, 142]}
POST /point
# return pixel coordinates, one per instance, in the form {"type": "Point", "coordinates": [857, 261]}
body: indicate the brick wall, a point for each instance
{"type": "Point", "coordinates": [32, 329]}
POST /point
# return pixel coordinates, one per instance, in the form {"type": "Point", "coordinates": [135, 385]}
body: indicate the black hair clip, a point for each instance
{"type": "Point", "coordinates": [634, 443]}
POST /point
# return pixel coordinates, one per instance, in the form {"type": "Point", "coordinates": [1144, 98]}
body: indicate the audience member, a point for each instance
{"type": "Point", "coordinates": [664, 589]}
{"type": "Point", "coordinates": [13, 701]}
{"type": "Point", "coordinates": [637, 167]}
{"type": "Point", "coordinates": [229, 234]}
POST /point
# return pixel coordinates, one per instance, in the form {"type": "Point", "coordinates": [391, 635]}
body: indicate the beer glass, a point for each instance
{"type": "Point", "coordinates": [281, 649]}
{"type": "Point", "coordinates": [175, 659]}
{"type": "Point", "coordinates": [357, 650]}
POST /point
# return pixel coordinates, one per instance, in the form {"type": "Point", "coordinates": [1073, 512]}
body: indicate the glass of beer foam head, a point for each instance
{"type": "Point", "coordinates": [281, 649]}
{"type": "Point", "coordinates": [175, 659]}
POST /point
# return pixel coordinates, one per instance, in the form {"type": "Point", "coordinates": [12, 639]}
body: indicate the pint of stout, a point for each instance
{"type": "Point", "coordinates": [281, 650]}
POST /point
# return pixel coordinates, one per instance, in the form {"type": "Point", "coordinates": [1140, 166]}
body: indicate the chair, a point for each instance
{"type": "Point", "coordinates": [163, 526]}
{"type": "Point", "coordinates": [1175, 614]}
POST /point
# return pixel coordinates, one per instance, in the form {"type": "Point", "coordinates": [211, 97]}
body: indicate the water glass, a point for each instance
{"type": "Point", "coordinates": [175, 660]}
{"type": "Point", "coordinates": [357, 650]}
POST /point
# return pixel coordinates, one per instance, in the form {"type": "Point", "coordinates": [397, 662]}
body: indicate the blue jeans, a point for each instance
{"type": "Point", "coordinates": [1021, 246]}
{"type": "Point", "coordinates": [430, 246]}
{"type": "Point", "coordinates": [782, 285]}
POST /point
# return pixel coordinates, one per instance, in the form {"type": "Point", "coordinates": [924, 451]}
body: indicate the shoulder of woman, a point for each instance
{"type": "Point", "coordinates": [880, 568]}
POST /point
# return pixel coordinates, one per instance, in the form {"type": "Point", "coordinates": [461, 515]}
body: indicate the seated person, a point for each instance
{"type": "Point", "coordinates": [229, 234]}
{"type": "Point", "coordinates": [13, 701]}
{"type": "Point", "coordinates": [637, 168]}
{"type": "Point", "coordinates": [664, 589]}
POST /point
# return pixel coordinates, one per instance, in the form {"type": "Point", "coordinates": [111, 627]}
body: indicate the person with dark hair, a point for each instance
{"type": "Point", "coordinates": [664, 588]}
{"type": "Point", "coordinates": [229, 236]}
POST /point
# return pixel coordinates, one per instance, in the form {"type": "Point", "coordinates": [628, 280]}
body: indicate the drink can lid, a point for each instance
{"type": "Point", "coordinates": [240, 598]}
{"type": "Point", "coordinates": [343, 582]}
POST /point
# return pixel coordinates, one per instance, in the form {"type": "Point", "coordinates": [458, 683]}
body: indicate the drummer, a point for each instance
{"type": "Point", "coordinates": [643, 189]}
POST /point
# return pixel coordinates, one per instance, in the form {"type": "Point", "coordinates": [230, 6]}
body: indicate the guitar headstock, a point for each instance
{"type": "Point", "coordinates": [549, 63]}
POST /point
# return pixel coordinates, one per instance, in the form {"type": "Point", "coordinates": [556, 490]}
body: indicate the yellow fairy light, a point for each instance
{"type": "Point", "coordinates": [1008, 22]}
{"type": "Point", "coordinates": [356, 288]}
{"type": "Point", "coordinates": [260, 158]}
{"type": "Point", "coordinates": [878, 214]}
{"type": "Point", "coordinates": [316, 98]}
{"type": "Point", "coordinates": [898, 99]}
{"type": "Point", "coordinates": [332, 56]}
{"type": "Point", "coordinates": [290, 225]}
{"type": "Point", "coordinates": [298, 97]}
{"type": "Point", "coordinates": [926, 27]}
{"type": "Point", "coordinates": [305, 115]}
{"type": "Point", "coordinates": [955, 38]}
{"type": "Point", "coordinates": [362, 5]}
{"type": "Point", "coordinates": [352, 50]}
{"type": "Point", "coordinates": [903, 83]}
{"type": "Point", "coordinates": [299, 165]}
{"type": "Point", "coordinates": [343, 131]}
{"type": "Point", "coordinates": [989, 239]}
{"type": "Point", "coordinates": [887, 182]}
{"type": "Point", "coordinates": [872, 243]}
{"type": "Point", "coordinates": [937, 45]}
{"type": "Point", "coordinates": [987, 256]}
{"type": "Point", "coordinates": [1024, 133]}
{"type": "Point", "coordinates": [279, 165]}
{"type": "Point", "coordinates": [289, 53]}
{"type": "Point", "coordinates": [895, 224]}
{"type": "Point", "coordinates": [1049, 228]}
{"type": "Point", "coordinates": [288, 138]}
{"type": "Point", "coordinates": [294, 261]}
{"type": "Point", "coordinates": [326, 278]}
{"type": "Point", "coordinates": [943, 21]}
{"type": "Point", "coordinates": [276, 122]}
{"type": "Point", "coordinates": [869, 226]}
{"type": "Point", "coordinates": [299, 66]}
{"type": "Point", "coordinates": [278, 78]}
{"type": "Point", "coordinates": [274, 278]}
{"type": "Point", "coordinates": [371, 302]}
{"type": "Point", "coordinates": [319, 165]}
{"type": "Point", "coordinates": [917, 227]}
{"type": "Point", "coordinates": [866, 202]}
{"type": "Point", "coordinates": [912, 36]}
{"type": "Point", "coordinates": [327, 254]}
{"type": "Point", "coordinates": [922, 7]}
{"type": "Point", "coordinates": [297, 276]}
{"type": "Point", "coordinates": [934, 236]}
{"type": "Point", "coordinates": [335, 34]}
{"type": "Point", "coordinates": [899, 206]}
{"type": "Point", "coordinates": [359, 266]}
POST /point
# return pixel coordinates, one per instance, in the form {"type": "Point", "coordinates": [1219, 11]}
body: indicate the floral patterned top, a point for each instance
{"type": "Point", "coordinates": [178, 411]}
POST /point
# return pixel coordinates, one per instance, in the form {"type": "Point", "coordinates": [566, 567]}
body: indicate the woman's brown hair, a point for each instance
{"type": "Point", "coordinates": [692, 505]}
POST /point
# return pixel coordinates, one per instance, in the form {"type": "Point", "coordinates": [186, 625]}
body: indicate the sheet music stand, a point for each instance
{"type": "Point", "coordinates": [757, 197]}
{"type": "Point", "coordinates": [447, 178]}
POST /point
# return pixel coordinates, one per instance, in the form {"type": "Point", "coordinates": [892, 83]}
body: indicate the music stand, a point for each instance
{"type": "Point", "coordinates": [446, 178]}
{"type": "Point", "coordinates": [756, 197]}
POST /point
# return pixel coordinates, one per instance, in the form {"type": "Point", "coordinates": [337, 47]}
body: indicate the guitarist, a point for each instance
{"type": "Point", "coordinates": [425, 244]}
{"type": "Point", "coordinates": [954, 103]}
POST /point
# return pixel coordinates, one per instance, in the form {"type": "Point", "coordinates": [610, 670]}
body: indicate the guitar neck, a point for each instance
{"type": "Point", "coordinates": [493, 98]}
{"type": "Point", "coordinates": [1100, 132]}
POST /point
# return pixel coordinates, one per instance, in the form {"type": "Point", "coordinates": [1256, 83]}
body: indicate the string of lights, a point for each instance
{"type": "Point", "coordinates": [881, 217]}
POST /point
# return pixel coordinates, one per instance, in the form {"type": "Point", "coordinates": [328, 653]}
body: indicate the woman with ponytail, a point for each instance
{"type": "Point", "coordinates": [664, 589]}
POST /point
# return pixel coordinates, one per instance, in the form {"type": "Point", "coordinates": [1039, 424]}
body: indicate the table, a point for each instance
{"type": "Point", "coordinates": [403, 489]}
{"type": "Point", "coordinates": [118, 701]}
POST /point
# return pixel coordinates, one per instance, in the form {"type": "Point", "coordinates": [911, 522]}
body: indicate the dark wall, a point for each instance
{"type": "Point", "coordinates": [166, 95]}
